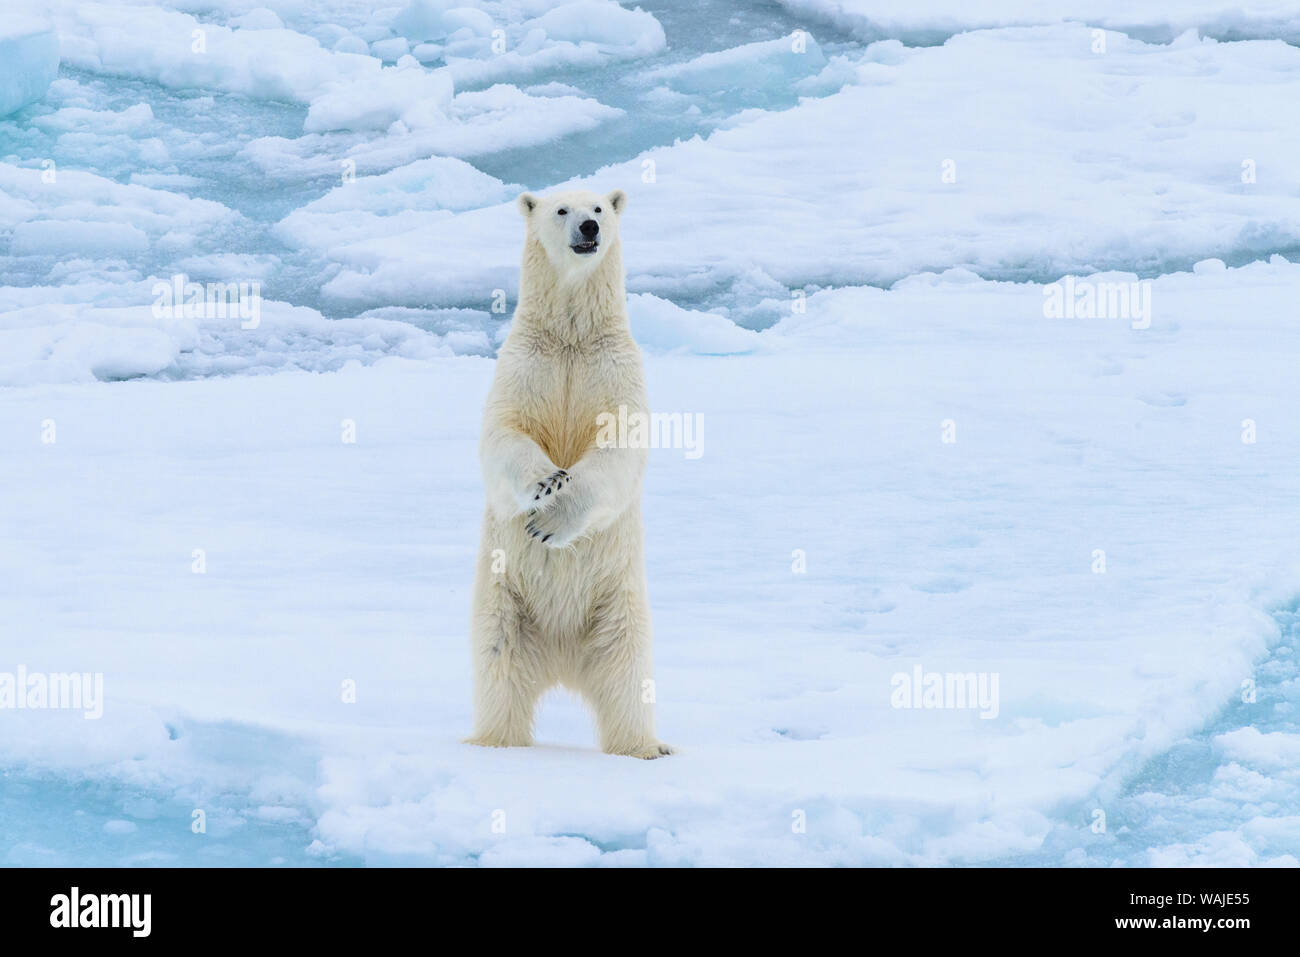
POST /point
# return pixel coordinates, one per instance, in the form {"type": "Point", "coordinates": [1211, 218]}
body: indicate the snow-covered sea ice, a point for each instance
{"type": "Point", "coordinates": [990, 314]}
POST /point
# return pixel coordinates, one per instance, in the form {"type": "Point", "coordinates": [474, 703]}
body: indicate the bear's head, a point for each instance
{"type": "Point", "coordinates": [575, 229]}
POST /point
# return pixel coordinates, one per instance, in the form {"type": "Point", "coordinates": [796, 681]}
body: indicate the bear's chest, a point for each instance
{"type": "Point", "coordinates": [567, 390]}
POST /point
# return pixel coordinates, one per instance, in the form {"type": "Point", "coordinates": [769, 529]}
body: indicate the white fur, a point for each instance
{"type": "Point", "coordinates": [566, 601]}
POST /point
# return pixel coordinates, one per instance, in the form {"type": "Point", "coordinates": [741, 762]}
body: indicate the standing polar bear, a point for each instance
{"type": "Point", "coordinates": [560, 590]}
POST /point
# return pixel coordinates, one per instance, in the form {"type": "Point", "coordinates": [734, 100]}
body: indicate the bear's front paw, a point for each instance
{"type": "Point", "coordinates": [550, 485]}
{"type": "Point", "coordinates": [559, 524]}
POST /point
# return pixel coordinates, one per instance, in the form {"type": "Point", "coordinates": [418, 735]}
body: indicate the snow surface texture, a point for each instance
{"type": "Point", "coordinates": [29, 61]}
{"type": "Point", "coordinates": [843, 256]}
{"type": "Point", "coordinates": [1134, 158]}
{"type": "Point", "coordinates": [933, 21]}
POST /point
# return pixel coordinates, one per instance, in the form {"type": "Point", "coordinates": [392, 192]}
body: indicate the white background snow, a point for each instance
{"type": "Point", "coordinates": [845, 220]}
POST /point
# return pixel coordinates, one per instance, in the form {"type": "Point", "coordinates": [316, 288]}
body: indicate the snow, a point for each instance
{"type": "Point", "coordinates": [1141, 152]}
{"type": "Point", "coordinates": [69, 343]}
{"type": "Point", "coordinates": [355, 93]}
{"type": "Point", "coordinates": [392, 203]}
{"type": "Point", "coordinates": [407, 94]}
{"type": "Point", "coordinates": [922, 446]}
{"type": "Point", "coordinates": [179, 51]}
{"type": "Point", "coordinates": [29, 61]}
{"type": "Point", "coordinates": [255, 57]}
{"type": "Point", "coordinates": [767, 63]}
{"type": "Point", "coordinates": [995, 531]}
{"type": "Point", "coordinates": [485, 121]}
{"type": "Point", "coordinates": [661, 326]}
{"type": "Point", "coordinates": [84, 224]}
{"type": "Point", "coordinates": [601, 23]}
{"type": "Point", "coordinates": [1275, 751]}
{"type": "Point", "coordinates": [931, 21]}
{"type": "Point", "coordinates": [66, 237]}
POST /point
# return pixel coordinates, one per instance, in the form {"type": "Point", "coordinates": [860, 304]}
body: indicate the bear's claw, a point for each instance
{"type": "Point", "coordinates": [532, 529]}
{"type": "Point", "coordinates": [558, 523]}
{"type": "Point", "coordinates": [552, 483]}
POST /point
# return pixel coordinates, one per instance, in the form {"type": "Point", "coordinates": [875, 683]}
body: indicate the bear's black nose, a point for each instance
{"type": "Point", "coordinates": [590, 228]}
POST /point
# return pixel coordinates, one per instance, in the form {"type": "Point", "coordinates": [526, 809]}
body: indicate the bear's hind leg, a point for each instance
{"type": "Point", "coordinates": [615, 677]}
{"type": "Point", "coordinates": [508, 673]}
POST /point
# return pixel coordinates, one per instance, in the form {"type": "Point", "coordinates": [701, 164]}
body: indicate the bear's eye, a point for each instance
{"type": "Point", "coordinates": [598, 209]}
{"type": "Point", "coordinates": [563, 212]}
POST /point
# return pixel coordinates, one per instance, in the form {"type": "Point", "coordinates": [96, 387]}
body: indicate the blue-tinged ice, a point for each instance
{"type": "Point", "coordinates": [29, 61]}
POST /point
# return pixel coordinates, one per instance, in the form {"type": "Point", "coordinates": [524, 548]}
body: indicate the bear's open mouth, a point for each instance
{"type": "Point", "coordinates": [587, 246]}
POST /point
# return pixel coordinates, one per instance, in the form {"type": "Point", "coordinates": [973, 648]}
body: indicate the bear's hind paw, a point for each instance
{"type": "Point", "coordinates": [496, 741]}
{"type": "Point", "coordinates": [656, 749]}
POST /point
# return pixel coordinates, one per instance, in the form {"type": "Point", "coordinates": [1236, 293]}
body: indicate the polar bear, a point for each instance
{"type": "Point", "coordinates": [560, 589]}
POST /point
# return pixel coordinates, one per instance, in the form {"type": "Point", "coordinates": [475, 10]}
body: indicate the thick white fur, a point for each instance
{"type": "Point", "coordinates": [560, 590]}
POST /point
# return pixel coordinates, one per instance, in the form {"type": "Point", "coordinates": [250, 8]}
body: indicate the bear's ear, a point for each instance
{"type": "Point", "coordinates": [618, 199]}
{"type": "Point", "coordinates": [527, 203]}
